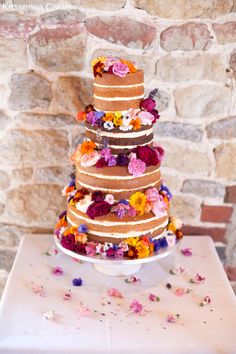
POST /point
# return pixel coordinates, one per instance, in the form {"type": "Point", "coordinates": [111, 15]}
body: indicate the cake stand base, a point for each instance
{"type": "Point", "coordinates": [118, 270]}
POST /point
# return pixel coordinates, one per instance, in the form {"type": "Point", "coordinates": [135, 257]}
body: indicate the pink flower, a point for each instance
{"type": "Point", "coordinates": [136, 167]}
{"type": "Point", "coordinates": [88, 160]}
{"type": "Point", "coordinates": [198, 279]}
{"type": "Point", "coordinates": [187, 251]}
{"type": "Point", "coordinates": [131, 211]}
{"type": "Point", "coordinates": [146, 118]}
{"type": "Point", "coordinates": [38, 289]}
{"type": "Point", "coordinates": [52, 251]}
{"type": "Point", "coordinates": [181, 291]}
{"type": "Point", "coordinates": [83, 310]}
{"type": "Point", "coordinates": [115, 293]}
{"type": "Point", "coordinates": [120, 69]}
{"type": "Point", "coordinates": [205, 301]}
{"type": "Point", "coordinates": [152, 194]}
{"type": "Point", "coordinates": [172, 318]}
{"type": "Point", "coordinates": [109, 198]}
{"type": "Point", "coordinates": [67, 295]}
{"type": "Point", "coordinates": [119, 253]}
{"type": "Point", "coordinates": [153, 297]}
{"type": "Point", "coordinates": [106, 153]}
{"type": "Point", "coordinates": [132, 280]}
{"type": "Point", "coordinates": [57, 270]}
{"type": "Point", "coordinates": [91, 249]}
{"type": "Point", "coordinates": [135, 307]}
{"type": "Point", "coordinates": [159, 207]}
{"type": "Point", "coordinates": [109, 62]}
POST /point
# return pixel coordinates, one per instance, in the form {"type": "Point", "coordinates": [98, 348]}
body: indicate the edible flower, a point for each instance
{"type": "Point", "coordinates": [138, 201]}
{"type": "Point", "coordinates": [205, 301]}
{"type": "Point", "coordinates": [57, 270]}
{"type": "Point", "coordinates": [153, 297]}
{"type": "Point", "coordinates": [135, 307]}
{"type": "Point", "coordinates": [172, 318]}
{"type": "Point", "coordinates": [87, 147]}
{"type": "Point", "coordinates": [198, 279]}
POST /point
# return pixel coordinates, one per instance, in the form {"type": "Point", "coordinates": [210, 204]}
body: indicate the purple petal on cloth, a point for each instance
{"type": "Point", "coordinates": [57, 270]}
{"type": "Point", "coordinates": [52, 251]}
{"type": "Point", "coordinates": [187, 251]}
{"type": "Point", "coordinates": [77, 281]}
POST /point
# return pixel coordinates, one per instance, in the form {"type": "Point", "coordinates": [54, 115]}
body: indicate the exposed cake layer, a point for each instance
{"type": "Point", "coordinates": [118, 140]}
{"type": "Point", "coordinates": [117, 180]}
{"type": "Point", "coordinates": [115, 93]}
{"type": "Point", "coordinates": [109, 228]}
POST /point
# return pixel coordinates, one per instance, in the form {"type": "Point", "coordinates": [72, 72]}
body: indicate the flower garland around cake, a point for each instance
{"type": "Point", "coordinates": [133, 119]}
{"type": "Point", "coordinates": [76, 239]}
{"type": "Point", "coordinates": [112, 65]}
{"type": "Point", "coordinates": [99, 204]}
{"type": "Point", "coordinates": [88, 155]}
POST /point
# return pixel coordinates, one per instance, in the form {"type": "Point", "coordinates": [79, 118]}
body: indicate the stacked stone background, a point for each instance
{"type": "Point", "coordinates": [188, 51]}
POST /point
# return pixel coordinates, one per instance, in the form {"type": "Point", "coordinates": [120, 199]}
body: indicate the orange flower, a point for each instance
{"type": "Point", "coordinates": [87, 147]}
{"type": "Point", "coordinates": [69, 189]}
{"type": "Point", "coordinates": [80, 237]}
{"type": "Point", "coordinates": [148, 207]}
{"type": "Point", "coordinates": [81, 116]}
{"type": "Point", "coordinates": [131, 66]}
{"type": "Point", "coordinates": [136, 123]}
{"type": "Point", "coordinates": [108, 117]}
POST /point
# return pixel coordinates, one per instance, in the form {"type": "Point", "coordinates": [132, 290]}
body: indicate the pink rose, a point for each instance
{"type": "Point", "coordinates": [146, 118]}
{"type": "Point", "coordinates": [136, 167]}
{"type": "Point", "coordinates": [109, 62]}
{"type": "Point", "coordinates": [120, 69]}
{"type": "Point", "coordinates": [88, 160]}
{"type": "Point", "coordinates": [152, 194]}
{"type": "Point", "coordinates": [159, 207]}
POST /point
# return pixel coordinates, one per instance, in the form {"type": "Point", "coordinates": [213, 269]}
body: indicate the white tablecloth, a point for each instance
{"type": "Point", "coordinates": [110, 328]}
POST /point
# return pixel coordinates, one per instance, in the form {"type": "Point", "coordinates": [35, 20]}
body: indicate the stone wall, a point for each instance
{"type": "Point", "coordinates": [187, 49]}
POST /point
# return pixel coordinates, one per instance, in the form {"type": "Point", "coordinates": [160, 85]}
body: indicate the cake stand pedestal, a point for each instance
{"type": "Point", "coordinates": [118, 267]}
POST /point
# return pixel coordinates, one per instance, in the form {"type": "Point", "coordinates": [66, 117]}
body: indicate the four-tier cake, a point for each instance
{"type": "Point", "coordinates": [117, 201]}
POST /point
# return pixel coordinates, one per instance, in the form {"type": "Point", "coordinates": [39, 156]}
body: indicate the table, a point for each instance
{"type": "Point", "coordinates": [108, 326]}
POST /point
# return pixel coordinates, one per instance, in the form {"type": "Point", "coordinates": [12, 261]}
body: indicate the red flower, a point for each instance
{"type": "Point", "coordinates": [147, 155]}
{"type": "Point", "coordinates": [98, 69]}
{"type": "Point", "coordinates": [149, 104]}
{"type": "Point", "coordinates": [68, 241]}
{"type": "Point", "coordinates": [97, 196]}
{"type": "Point", "coordinates": [98, 209]}
{"type": "Point", "coordinates": [101, 163]}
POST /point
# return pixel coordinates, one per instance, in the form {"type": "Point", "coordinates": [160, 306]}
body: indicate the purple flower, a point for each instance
{"type": "Point", "coordinates": [99, 114]}
{"type": "Point", "coordinates": [106, 153]}
{"type": "Point", "coordinates": [119, 253]}
{"type": "Point", "coordinates": [166, 191]}
{"type": "Point", "coordinates": [112, 161]}
{"type": "Point", "coordinates": [90, 118]}
{"type": "Point", "coordinates": [57, 232]}
{"type": "Point", "coordinates": [122, 160]}
{"type": "Point", "coordinates": [83, 228]}
{"type": "Point", "coordinates": [157, 246]}
{"type": "Point", "coordinates": [68, 242]}
{"type": "Point", "coordinates": [120, 69]}
{"type": "Point", "coordinates": [132, 211]}
{"type": "Point", "coordinates": [124, 201]}
{"type": "Point", "coordinates": [121, 210]}
{"type": "Point", "coordinates": [77, 281]}
{"type": "Point", "coordinates": [57, 270]}
{"type": "Point", "coordinates": [163, 242]}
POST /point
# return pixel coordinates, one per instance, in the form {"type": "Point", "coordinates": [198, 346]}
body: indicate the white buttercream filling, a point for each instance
{"type": "Point", "coordinates": [121, 135]}
{"type": "Point", "coordinates": [114, 223]}
{"type": "Point", "coordinates": [126, 146]}
{"type": "Point", "coordinates": [124, 235]}
{"type": "Point", "coordinates": [96, 175]}
{"type": "Point", "coordinates": [116, 190]}
{"type": "Point", "coordinates": [119, 86]}
{"type": "Point", "coordinates": [118, 98]}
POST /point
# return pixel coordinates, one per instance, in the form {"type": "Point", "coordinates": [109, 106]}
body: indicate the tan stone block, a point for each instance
{"type": "Point", "coordinates": [55, 174]}
{"type": "Point", "coordinates": [21, 175]}
{"type": "Point", "coordinates": [179, 67]}
{"type": "Point", "coordinates": [202, 100]}
{"type": "Point", "coordinates": [186, 160]}
{"type": "Point", "coordinates": [225, 156]}
{"type": "Point", "coordinates": [34, 205]}
{"type": "Point", "coordinates": [72, 94]}
{"type": "Point", "coordinates": [33, 148]}
{"type": "Point", "coordinates": [225, 32]}
{"type": "Point", "coordinates": [173, 182]}
{"type": "Point", "coordinates": [184, 207]}
{"type": "Point", "coordinates": [8, 59]}
{"type": "Point", "coordinates": [185, 9]}
{"type": "Point", "coordinates": [4, 180]}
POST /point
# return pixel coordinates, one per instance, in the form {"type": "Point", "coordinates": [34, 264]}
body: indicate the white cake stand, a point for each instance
{"type": "Point", "coordinates": [117, 267]}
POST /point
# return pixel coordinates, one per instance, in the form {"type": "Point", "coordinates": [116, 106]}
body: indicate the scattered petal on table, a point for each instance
{"type": "Point", "coordinates": [187, 251]}
{"type": "Point", "coordinates": [205, 301]}
{"type": "Point", "coordinates": [38, 289]}
{"type": "Point", "coordinates": [83, 310]}
{"type": "Point", "coordinates": [52, 251]}
{"type": "Point", "coordinates": [57, 270]}
{"type": "Point", "coordinates": [153, 297]}
{"type": "Point", "coordinates": [198, 279]}
{"type": "Point", "coordinates": [181, 291]}
{"type": "Point", "coordinates": [135, 307]}
{"type": "Point", "coordinates": [172, 318]}
{"type": "Point", "coordinates": [169, 286]}
{"type": "Point", "coordinates": [67, 295]}
{"type": "Point", "coordinates": [177, 271]}
{"type": "Point", "coordinates": [115, 293]}
{"type": "Point", "coordinates": [49, 315]}
{"type": "Point", "coordinates": [132, 280]}
{"type": "Point", "coordinates": [77, 281]}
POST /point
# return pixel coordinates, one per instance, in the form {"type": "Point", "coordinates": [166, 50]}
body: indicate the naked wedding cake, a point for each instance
{"type": "Point", "coordinates": [117, 202]}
